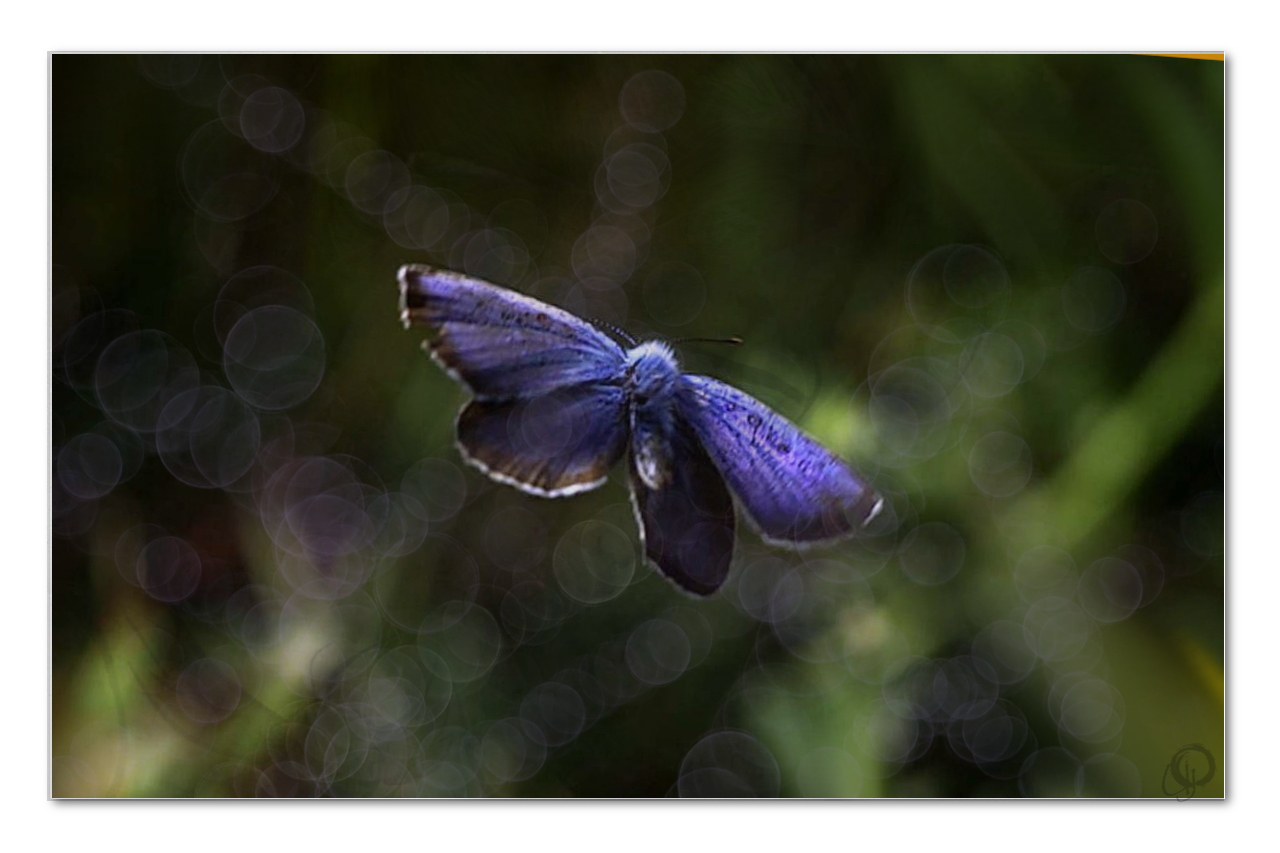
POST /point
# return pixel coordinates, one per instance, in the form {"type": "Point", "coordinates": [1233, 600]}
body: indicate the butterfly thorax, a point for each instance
{"type": "Point", "coordinates": [652, 371]}
{"type": "Point", "coordinates": [652, 375]}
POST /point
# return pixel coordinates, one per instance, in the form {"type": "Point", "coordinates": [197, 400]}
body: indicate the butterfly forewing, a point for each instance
{"type": "Point", "coordinates": [794, 489]}
{"type": "Point", "coordinates": [549, 412]}
{"type": "Point", "coordinates": [502, 344]}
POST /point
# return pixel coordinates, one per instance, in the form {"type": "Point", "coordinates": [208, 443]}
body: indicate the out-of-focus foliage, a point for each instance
{"type": "Point", "coordinates": [995, 284]}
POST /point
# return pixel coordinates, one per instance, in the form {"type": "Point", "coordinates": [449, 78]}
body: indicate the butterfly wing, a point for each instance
{"type": "Point", "coordinates": [548, 414]}
{"type": "Point", "coordinates": [501, 344]}
{"type": "Point", "coordinates": [557, 444]}
{"type": "Point", "coordinates": [686, 525]}
{"type": "Point", "coordinates": [794, 489]}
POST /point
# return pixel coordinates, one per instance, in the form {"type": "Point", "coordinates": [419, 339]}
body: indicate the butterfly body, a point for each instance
{"type": "Point", "coordinates": [651, 380]}
{"type": "Point", "coordinates": [556, 403]}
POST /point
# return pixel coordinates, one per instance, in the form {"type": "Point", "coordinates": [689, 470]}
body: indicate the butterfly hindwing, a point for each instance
{"type": "Point", "coordinates": [794, 489]}
{"type": "Point", "coordinates": [560, 443]}
{"type": "Point", "coordinates": [502, 344]}
{"type": "Point", "coordinates": [687, 524]}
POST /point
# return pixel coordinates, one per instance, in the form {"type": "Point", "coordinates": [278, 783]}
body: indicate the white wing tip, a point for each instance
{"type": "Point", "coordinates": [875, 510]}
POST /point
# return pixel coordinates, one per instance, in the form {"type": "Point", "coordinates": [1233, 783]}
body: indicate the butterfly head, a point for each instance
{"type": "Point", "coordinates": [652, 370]}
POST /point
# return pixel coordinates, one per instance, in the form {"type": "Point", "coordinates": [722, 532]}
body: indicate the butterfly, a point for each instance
{"type": "Point", "coordinates": [556, 402]}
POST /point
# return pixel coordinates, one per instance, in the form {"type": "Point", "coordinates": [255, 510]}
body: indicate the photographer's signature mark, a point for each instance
{"type": "Point", "coordinates": [1191, 768]}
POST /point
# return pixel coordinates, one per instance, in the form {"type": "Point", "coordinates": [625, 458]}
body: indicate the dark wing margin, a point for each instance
{"type": "Point", "coordinates": [687, 527]}
{"type": "Point", "coordinates": [499, 343]}
{"type": "Point", "coordinates": [561, 443]}
{"type": "Point", "coordinates": [793, 488]}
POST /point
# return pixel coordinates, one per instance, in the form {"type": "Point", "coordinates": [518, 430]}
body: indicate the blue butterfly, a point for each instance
{"type": "Point", "coordinates": [556, 402]}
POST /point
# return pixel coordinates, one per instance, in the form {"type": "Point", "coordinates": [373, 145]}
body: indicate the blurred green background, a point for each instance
{"type": "Point", "coordinates": [993, 283]}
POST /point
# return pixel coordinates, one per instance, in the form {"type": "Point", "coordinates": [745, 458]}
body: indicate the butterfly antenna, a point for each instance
{"type": "Point", "coordinates": [733, 341]}
{"type": "Point", "coordinates": [609, 327]}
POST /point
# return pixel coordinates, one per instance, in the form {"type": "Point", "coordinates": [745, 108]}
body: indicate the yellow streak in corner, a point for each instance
{"type": "Point", "coordinates": [1218, 57]}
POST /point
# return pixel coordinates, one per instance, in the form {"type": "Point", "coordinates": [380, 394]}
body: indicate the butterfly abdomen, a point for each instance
{"type": "Point", "coordinates": [652, 452]}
